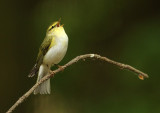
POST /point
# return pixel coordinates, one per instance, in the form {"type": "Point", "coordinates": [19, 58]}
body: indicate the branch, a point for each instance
{"type": "Point", "coordinates": [141, 75]}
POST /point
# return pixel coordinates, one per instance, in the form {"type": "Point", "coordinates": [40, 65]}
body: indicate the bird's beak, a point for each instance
{"type": "Point", "coordinates": [58, 24]}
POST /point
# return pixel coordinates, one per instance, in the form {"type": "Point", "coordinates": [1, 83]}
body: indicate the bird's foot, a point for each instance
{"type": "Point", "coordinates": [61, 67]}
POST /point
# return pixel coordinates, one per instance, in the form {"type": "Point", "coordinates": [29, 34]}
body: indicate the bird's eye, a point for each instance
{"type": "Point", "coordinates": [51, 28]}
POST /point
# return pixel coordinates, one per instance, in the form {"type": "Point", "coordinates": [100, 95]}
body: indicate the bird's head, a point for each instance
{"type": "Point", "coordinates": [55, 26]}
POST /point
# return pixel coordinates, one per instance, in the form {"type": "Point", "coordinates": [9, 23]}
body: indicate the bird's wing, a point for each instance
{"type": "Point", "coordinates": [42, 51]}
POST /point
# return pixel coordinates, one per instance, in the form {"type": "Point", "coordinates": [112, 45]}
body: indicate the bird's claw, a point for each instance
{"type": "Point", "coordinates": [61, 67]}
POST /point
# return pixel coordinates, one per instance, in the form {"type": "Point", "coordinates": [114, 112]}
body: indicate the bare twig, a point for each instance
{"type": "Point", "coordinates": [91, 56]}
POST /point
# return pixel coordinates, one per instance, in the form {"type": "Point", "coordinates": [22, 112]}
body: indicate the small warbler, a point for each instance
{"type": "Point", "coordinates": [51, 52]}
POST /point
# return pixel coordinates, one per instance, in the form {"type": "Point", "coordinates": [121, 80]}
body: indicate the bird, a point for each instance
{"type": "Point", "coordinates": [51, 52]}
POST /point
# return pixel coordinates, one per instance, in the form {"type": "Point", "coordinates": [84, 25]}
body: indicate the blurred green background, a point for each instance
{"type": "Point", "coordinates": [127, 31]}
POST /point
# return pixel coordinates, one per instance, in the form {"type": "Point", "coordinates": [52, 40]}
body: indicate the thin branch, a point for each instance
{"type": "Point", "coordinates": [91, 56]}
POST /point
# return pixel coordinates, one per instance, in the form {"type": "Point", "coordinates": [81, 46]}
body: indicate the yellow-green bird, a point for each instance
{"type": "Point", "coordinates": [51, 52]}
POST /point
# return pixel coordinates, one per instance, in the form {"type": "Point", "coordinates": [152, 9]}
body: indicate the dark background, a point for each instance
{"type": "Point", "coordinates": [127, 31]}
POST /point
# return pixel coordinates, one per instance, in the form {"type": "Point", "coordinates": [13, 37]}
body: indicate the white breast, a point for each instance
{"type": "Point", "coordinates": [56, 53]}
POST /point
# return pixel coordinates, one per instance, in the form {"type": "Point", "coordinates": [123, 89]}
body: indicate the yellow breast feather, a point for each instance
{"type": "Point", "coordinates": [52, 42]}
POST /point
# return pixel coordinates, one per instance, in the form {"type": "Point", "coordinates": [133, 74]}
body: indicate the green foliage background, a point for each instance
{"type": "Point", "coordinates": [127, 31]}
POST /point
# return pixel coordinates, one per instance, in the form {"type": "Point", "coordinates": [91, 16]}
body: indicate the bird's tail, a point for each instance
{"type": "Point", "coordinates": [34, 71]}
{"type": "Point", "coordinates": [43, 88]}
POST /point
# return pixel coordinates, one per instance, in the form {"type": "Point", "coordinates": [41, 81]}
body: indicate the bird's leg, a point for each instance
{"type": "Point", "coordinates": [61, 67]}
{"type": "Point", "coordinates": [51, 72]}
